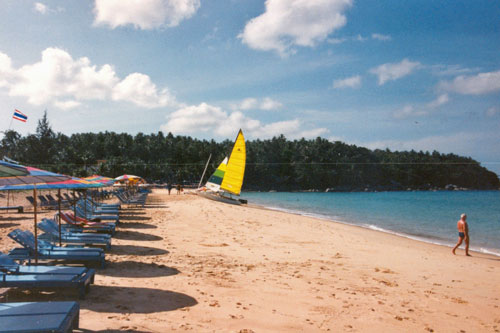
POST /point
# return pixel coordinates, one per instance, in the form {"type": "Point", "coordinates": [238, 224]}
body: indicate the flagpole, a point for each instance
{"type": "Point", "coordinates": [10, 125]}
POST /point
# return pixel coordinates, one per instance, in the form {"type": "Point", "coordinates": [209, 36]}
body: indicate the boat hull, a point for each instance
{"type": "Point", "coordinates": [217, 197]}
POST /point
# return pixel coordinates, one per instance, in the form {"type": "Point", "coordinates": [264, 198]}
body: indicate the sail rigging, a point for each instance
{"type": "Point", "coordinates": [213, 183]}
{"type": "Point", "coordinates": [235, 169]}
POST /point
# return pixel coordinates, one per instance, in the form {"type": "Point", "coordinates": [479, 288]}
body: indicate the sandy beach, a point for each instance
{"type": "Point", "coordinates": [184, 263]}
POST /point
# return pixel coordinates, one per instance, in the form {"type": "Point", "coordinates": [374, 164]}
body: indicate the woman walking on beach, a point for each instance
{"type": "Point", "coordinates": [463, 234]}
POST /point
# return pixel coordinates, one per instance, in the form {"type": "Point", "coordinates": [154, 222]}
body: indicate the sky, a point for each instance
{"type": "Point", "coordinates": [413, 74]}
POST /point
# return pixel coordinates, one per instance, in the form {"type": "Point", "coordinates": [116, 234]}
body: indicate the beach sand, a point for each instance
{"type": "Point", "coordinates": [188, 263]}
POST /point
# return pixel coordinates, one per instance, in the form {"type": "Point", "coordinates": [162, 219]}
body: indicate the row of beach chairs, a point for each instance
{"type": "Point", "coordinates": [48, 201]}
{"type": "Point", "coordinates": [86, 236]}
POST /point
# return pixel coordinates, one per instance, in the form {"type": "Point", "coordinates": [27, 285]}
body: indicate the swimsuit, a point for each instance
{"type": "Point", "coordinates": [461, 234]}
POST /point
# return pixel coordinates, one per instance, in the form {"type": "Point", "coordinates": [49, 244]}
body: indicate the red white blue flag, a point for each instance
{"type": "Point", "coordinates": [19, 115]}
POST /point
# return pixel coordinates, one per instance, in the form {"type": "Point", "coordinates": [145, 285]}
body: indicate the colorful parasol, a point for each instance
{"type": "Point", "coordinates": [14, 174]}
{"type": "Point", "coordinates": [129, 179]}
{"type": "Point", "coordinates": [100, 179]}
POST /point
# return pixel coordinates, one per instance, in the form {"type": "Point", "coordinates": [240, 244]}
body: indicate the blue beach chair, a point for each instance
{"type": "Point", "coordinates": [48, 251]}
{"type": "Point", "coordinates": [40, 317]}
{"type": "Point", "coordinates": [51, 230]}
{"type": "Point", "coordinates": [96, 217]}
{"type": "Point", "coordinates": [12, 276]}
{"type": "Point", "coordinates": [87, 205]}
{"type": "Point", "coordinates": [9, 265]}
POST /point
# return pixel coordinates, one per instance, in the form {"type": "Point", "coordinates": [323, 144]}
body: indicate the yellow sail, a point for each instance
{"type": "Point", "coordinates": [235, 169]}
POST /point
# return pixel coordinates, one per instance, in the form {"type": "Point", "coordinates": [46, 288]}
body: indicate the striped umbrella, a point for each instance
{"type": "Point", "coordinates": [15, 176]}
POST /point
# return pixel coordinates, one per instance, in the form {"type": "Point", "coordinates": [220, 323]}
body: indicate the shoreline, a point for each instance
{"type": "Point", "coordinates": [370, 227]}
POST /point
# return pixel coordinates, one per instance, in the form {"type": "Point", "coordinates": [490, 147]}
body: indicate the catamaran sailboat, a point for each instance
{"type": "Point", "coordinates": [227, 180]}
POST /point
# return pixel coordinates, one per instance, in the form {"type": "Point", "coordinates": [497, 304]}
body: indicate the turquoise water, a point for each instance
{"type": "Point", "coordinates": [425, 216]}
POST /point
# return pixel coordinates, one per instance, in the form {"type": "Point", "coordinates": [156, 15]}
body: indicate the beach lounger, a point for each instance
{"type": "Point", "coordinates": [46, 203]}
{"type": "Point", "coordinates": [20, 209]}
{"type": "Point", "coordinates": [13, 275]}
{"type": "Point", "coordinates": [64, 203]}
{"type": "Point", "coordinates": [70, 199]}
{"type": "Point", "coordinates": [51, 229]}
{"type": "Point", "coordinates": [40, 317]}
{"type": "Point", "coordinates": [7, 264]}
{"type": "Point", "coordinates": [128, 199]}
{"type": "Point", "coordinates": [104, 205]}
{"type": "Point", "coordinates": [83, 225]}
{"type": "Point", "coordinates": [96, 217]}
{"type": "Point", "coordinates": [83, 204]}
{"type": "Point", "coordinates": [11, 278]}
{"type": "Point", "coordinates": [48, 251]}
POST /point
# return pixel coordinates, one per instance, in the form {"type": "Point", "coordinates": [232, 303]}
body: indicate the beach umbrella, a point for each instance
{"type": "Point", "coordinates": [106, 181]}
{"type": "Point", "coordinates": [128, 178]}
{"type": "Point", "coordinates": [68, 183]}
{"type": "Point", "coordinates": [8, 170]}
{"type": "Point", "coordinates": [100, 179]}
{"type": "Point", "coordinates": [14, 175]}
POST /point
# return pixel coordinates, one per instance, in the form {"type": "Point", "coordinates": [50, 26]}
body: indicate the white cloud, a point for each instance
{"type": "Point", "coordinates": [493, 111]}
{"type": "Point", "coordinates": [5, 69]}
{"type": "Point", "coordinates": [288, 23]}
{"type": "Point", "coordinates": [63, 81]}
{"type": "Point", "coordinates": [451, 70]}
{"type": "Point", "coordinates": [440, 100]}
{"type": "Point", "coordinates": [462, 143]}
{"type": "Point", "coordinates": [138, 89]}
{"type": "Point", "coordinates": [144, 14]}
{"type": "Point", "coordinates": [408, 111]}
{"type": "Point", "coordinates": [381, 37]}
{"type": "Point", "coordinates": [202, 118]}
{"type": "Point", "coordinates": [394, 71]}
{"type": "Point", "coordinates": [66, 105]}
{"type": "Point", "coordinates": [482, 83]}
{"type": "Point", "coordinates": [44, 9]}
{"type": "Point", "coordinates": [41, 8]}
{"type": "Point", "coordinates": [350, 82]}
{"type": "Point", "coordinates": [266, 104]}
{"type": "Point", "coordinates": [360, 38]}
{"type": "Point", "coordinates": [269, 104]}
{"type": "Point", "coordinates": [411, 111]}
{"type": "Point", "coordinates": [205, 118]}
{"type": "Point", "coordinates": [336, 40]}
{"type": "Point", "coordinates": [248, 104]}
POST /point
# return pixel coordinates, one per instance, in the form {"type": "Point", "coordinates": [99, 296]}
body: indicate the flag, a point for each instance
{"type": "Point", "coordinates": [19, 115]}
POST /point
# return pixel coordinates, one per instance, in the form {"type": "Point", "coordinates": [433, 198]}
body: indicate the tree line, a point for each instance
{"type": "Point", "coordinates": [274, 164]}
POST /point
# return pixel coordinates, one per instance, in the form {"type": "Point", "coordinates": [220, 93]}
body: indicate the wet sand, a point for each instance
{"type": "Point", "coordinates": [188, 263]}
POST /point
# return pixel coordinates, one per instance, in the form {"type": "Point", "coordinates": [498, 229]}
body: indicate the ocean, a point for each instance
{"type": "Point", "coordinates": [425, 216]}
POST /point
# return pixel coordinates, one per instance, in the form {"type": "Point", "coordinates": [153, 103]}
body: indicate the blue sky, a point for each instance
{"type": "Point", "coordinates": [415, 74]}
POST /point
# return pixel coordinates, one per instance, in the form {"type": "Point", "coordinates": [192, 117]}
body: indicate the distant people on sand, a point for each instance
{"type": "Point", "coordinates": [179, 188]}
{"type": "Point", "coordinates": [169, 188]}
{"type": "Point", "coordinates": [463, 234]}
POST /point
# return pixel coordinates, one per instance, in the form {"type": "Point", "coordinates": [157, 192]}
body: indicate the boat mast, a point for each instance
{"type": "Point", "coordinates": [206, 166]}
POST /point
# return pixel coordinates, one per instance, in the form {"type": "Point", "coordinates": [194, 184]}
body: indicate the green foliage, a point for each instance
{"type": "Point", "coordinates": [275, 164]}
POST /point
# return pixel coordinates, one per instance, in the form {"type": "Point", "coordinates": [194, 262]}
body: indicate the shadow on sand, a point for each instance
{"type": "Point", "coordinates": [134, 218]}
{"type": "Point", "coordinates": [137, 269]}
{"type": "Point", "coordinates": [136, 235]}
{"type": "Point", "coordinates": [137, 225]}
{"type": "Point", "coordinates": [111, 299]}
{"type": "Point", "coordinates": [108, 331]}
{"type": "Point", "coordinates": [8, 225]}
{"type": "Point", "coordinates": [137, 250]}
{"type": "Point", "coordinates": [139, 300]}
{"type": "Point", "coordinates": [19, 217]}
